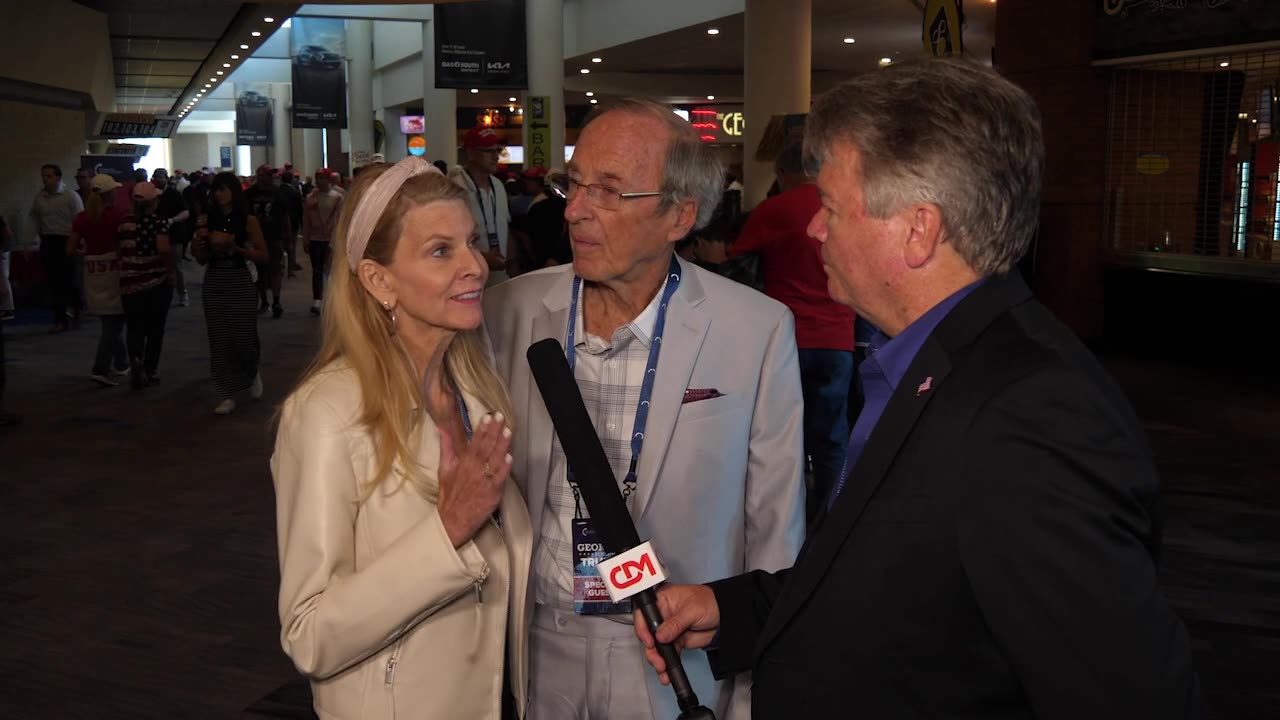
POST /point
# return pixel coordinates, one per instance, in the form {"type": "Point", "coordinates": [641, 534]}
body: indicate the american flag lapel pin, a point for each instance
{"type": "Point", "coordinates": [925, 386]}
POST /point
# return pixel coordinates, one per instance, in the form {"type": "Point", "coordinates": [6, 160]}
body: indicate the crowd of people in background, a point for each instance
{"type": "Point", "coordinates": [123, 249]}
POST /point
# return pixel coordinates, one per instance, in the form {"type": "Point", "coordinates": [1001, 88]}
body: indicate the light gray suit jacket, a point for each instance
{"type": "Point", "coordinates": [720, 487]}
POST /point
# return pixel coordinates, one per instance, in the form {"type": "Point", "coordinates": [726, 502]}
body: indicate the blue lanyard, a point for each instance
{"type": "Point", "coordinates": [466, 426]}
{"type": "Point", "coordinates": [650, 370]}
{"type": "Point", "coordinates": [462, 410]}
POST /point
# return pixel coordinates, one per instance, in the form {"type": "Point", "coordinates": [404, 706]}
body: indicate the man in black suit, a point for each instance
{"type": "Point", "coordinates": [989, 549]}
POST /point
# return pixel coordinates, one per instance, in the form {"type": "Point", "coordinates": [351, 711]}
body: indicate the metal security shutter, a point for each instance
{"type": "Point", "coordinates": [1192, 157]}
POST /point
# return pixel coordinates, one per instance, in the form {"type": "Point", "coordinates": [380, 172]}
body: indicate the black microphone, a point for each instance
{"type": "Point", "coordinates": [599, 490]}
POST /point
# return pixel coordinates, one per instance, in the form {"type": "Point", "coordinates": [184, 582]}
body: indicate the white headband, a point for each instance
{"type": "Point", "coordinates": [375, 200]}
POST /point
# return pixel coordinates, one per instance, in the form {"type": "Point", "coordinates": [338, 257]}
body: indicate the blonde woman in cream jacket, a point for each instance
{"type": "Point", "coordinates": [404, 543]}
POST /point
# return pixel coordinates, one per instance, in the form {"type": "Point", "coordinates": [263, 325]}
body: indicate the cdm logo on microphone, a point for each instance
{"type": "Point", "coordinates": [631, 572]}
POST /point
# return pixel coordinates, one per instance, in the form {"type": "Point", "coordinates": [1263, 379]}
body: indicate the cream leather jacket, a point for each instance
{"type": "Point", "coordinates": [377, 608]}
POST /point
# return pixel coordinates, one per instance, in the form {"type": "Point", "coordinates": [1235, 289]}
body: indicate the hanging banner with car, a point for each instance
{"type": "Point", "coordinates": [254, 113]}
{"type": "Point", "coordinates": [317, 47]}
{"type": "Point", "coordinates": [481, 45]}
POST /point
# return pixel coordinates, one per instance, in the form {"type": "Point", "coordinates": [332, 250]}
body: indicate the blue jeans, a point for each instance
{"type": "Point", "coordinates": [825, 376]}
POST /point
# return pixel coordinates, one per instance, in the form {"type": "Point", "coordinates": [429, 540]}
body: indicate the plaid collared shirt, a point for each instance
{"type": "Point", "coordinates": [609, 374]}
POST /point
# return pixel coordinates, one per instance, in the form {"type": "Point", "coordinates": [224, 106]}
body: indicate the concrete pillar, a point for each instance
{"type": "Point", "coordinates": [360, 89]}
{"type": "Point", "coordinates": [778, 51]}
{"type": "Point", "coordinates": [395, 147]}
{"type": "Point", "coordinates": [281, 150]}
{"type": "Point", "coordinates": [307, 155]}
{"type": "Point", "coordinates": [257, 156]}
{"type": "Point", "coordinates": [440, 107]}
{"type": "Point", "coordinates": [336, 153]}
{"type": "Point", "coordinates": [545, 39]}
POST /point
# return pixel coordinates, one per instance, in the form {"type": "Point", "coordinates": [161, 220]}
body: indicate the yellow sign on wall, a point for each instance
{"type": "Point", "coordinates": [942, 29]}
{"type": "Point", "coordinates": [731, 123]}
{"type": "Point", "coordinates": [538, 145]}
{"type": "Point", "coordinates": [1151, 163]}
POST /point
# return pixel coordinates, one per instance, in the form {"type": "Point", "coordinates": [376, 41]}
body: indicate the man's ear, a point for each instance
{"type": "Point", "coordinates": [685, 215]}
{"type": "Point", "coordinates": [378, 282]}
{"type": "Point", "coordinates": [924, 234]}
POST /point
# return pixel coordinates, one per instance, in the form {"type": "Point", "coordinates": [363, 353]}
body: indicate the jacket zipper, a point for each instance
{"type": "Point", "coordinates": [389, 677]}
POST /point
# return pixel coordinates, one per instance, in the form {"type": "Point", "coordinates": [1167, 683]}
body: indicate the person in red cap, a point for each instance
{"type": "Point", "coordinates": [487, 197]}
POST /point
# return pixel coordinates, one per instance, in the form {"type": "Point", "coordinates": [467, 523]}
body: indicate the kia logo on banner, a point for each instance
{"type": "Point", "coordinates": [481, 45]}
{"type": "Point", "coordinates": [631, 572]}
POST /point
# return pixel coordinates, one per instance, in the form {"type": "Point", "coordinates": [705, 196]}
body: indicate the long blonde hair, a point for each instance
{"type": "Point", "coordinates": [358, 330]}
{"type": "Point", "coordinates": [96, 205]}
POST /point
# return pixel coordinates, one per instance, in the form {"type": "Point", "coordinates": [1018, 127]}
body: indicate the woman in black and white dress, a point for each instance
{"type": "Point", "coordinates": [227, 240]}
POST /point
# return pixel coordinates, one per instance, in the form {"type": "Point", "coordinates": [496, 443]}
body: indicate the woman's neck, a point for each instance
{"type": "Point", "coordinates": [427, 348]}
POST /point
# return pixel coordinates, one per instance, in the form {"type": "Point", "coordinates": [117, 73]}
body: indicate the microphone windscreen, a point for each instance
{"type": "Point", "coordinates": [587, 460]}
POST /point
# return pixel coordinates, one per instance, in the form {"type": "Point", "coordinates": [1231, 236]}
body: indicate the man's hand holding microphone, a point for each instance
{"type": "Point", "coordinates": [691, 618]}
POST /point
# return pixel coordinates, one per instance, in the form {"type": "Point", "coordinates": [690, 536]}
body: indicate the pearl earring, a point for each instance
{"type": "Point", "coordinates": [391, 313]}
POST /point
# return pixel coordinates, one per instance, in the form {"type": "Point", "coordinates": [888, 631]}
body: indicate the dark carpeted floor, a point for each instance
{"type": "Point", "coordinates": [139, 569]}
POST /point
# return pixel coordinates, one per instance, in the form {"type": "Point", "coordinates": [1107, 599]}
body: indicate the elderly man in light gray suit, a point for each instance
{"type": "Point", "coordinates": [713, 475]}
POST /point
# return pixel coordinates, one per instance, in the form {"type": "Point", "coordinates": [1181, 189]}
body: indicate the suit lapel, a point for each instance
{"type": "Point", "coordinates": [551, 323]}
{"type": "Point", "coordinates": [882, 447]}
{"type": "Point", "coordinates": [934, 361]}
{"type": "Point", "coordinates": [686, 329]}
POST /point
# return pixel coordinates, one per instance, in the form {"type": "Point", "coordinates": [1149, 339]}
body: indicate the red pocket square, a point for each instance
{"type": "Point", "coordinates": [695, 394]}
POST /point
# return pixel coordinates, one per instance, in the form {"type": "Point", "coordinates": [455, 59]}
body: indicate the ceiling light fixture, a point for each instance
{"type": "Point", "coordinates": [597, 60]}
{"type": "Point", "coordinates": [886, 61]}
{"type": "Point", "coordinates": [711, 97]}
{"type": "Point", "coordinates": [511, 99]}
{"type": "Point", "coordinates": [511, 108]}
{"type": "Point", "coordinates": [268, 19]}
{"type": "Point", "coordinates": [474, 91]}
{"type": "Point", "coordinates": [849, 41]}
{"type": "Point", "coordinates": [255, 33]}
{"type": "Point", "coordinates": [585, 71]}
{"type": "Point", "coordinates": [219, 72]}
{"type": "Point", "coordinates": [235, 57]}
{"type": "Point", "coordinates": [1224, 63]}
{"type": "Point", "coordinates": [244, 47]}
{"type": "Point", "coordinates": [713, 31]}
{"type": "Point", "coordinates": [226, 64]}
{"type": "Point", "coordinates": [207, 85]}
{"type": "Point", "coordinates": [594, 101]}
{"type": "Point", "coordinates": [590, 94]}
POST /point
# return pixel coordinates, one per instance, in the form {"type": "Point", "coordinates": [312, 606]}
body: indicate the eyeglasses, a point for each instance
{"type": "Point", "coordinates": [602, 196]}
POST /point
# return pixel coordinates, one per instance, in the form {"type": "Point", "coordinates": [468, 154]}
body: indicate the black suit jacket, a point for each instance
{"type": "Point", "coordinates": [992, 555]}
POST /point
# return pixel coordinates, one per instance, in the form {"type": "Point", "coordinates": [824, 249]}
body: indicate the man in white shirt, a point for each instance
{"type": "Point", "coordinates": [53, 210]}
{"type": "Point", "coordinates": [488, 198]}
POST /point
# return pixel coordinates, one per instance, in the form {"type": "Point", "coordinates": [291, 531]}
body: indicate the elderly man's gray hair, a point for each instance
{"type": "Point", "coordinates": [691, 171]}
